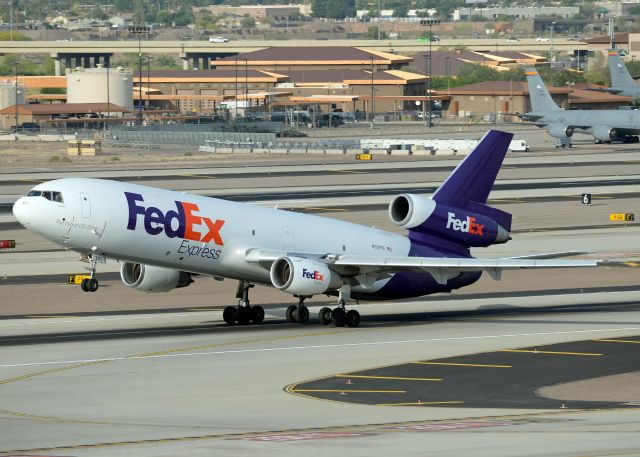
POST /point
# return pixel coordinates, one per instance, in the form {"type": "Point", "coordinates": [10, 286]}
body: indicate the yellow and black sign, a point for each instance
{"type": "Point", "coordinates": [364, 156]}
{"type": "Point", "coordinates": [76, 279]}
{"type": "Point", "coordinates": [622, 217]}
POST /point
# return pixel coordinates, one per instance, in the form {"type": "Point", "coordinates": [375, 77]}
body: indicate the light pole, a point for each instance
{"type": "Point", "coordinates": [15, 66]}
{"type": "Point", "coordinates": [551, 42]}
{"type": "Point", "coordinates": [139, 30]}
{"type": "Point", "coordinates": [429, 22]}
{"type": "Point", "coordinates": [148, 84]}
{"type": "Point", "coordinates": [371, 104]}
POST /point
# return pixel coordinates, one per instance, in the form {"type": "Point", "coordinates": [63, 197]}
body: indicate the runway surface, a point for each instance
{"type": "Point", "coordinates": [124, 373]}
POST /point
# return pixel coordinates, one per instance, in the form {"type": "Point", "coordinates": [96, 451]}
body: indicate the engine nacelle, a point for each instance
{"type": "Point", "coordinates": [560, 131]}
{"type": "Point", "coordinates": [303, 277]}
{"type": "Point", "coordinates": [604, 133]}
{"type": "Point", "coordinates": [461, 225]}
{"type": "Point", "coordinates": [148, 278]}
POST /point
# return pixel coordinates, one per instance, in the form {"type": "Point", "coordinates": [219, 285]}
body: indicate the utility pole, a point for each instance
{"type": "Point", "coordinates": [139, 30]}
{"type": "Point", "coordinates": [429, 22]}
{"type": "Point", "coordinates": [15, 66]}
{"type": "Point", "coordinates": [371, 104]}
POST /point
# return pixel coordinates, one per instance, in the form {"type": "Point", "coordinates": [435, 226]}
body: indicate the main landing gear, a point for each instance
{"type": "Point", "coordinates": [244, 313]}
{"type": "Point", "coordinates": [340, 316]}
{"type": "Point", "coordinates": [298, 313]}
{"type": "Point", "coordinates": [90, 284]}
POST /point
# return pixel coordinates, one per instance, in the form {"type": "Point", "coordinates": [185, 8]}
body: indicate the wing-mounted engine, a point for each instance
{"type": "Point", "coordinates": [464, 226]}
{"type": "Point", "coordinates": [560, 131]}
{"type": "Point", "coordinates": [148, 278]}
{"type": "Point", "coordinates": [604, 133]}
{"type": "Point", "coordinates": [304, 277]}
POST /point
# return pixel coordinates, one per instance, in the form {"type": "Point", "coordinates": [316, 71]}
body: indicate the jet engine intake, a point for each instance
{"type": "Point", "coordinates": [148, 278]}
{"type": "Point", "coordinates": [604, 133]}
{"type": "Point", "coordinates": [560, 131]}
{"type": "Point", "coordinates": [409, 211]}
{"type": "Point", "coordinates": [304, 277]}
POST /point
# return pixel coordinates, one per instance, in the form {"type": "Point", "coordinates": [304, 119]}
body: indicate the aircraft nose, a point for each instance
{"type": "Point", "coordinates": [21, 210]}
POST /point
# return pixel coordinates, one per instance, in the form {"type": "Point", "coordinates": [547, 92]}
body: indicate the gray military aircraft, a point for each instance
{"type": "Point", "coordinates": [621, 81]}
{"type": "Point", "coordinates": [604, 126]}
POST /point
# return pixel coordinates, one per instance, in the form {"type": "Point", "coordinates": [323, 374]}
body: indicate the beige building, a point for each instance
{"type": "Point", "coordinates": [276, 12]}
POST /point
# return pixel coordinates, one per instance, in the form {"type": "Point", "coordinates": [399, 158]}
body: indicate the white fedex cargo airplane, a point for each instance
{"type": "Point", "coordinates": [165, 238]}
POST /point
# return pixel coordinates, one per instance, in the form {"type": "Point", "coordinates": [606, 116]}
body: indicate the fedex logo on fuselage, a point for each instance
{"type": "Point", "coordinates": [185, 217]}
{"type": "Point", "coordinates": [467, 226]}
{"type": "Point", "coordinates": [312, 274]}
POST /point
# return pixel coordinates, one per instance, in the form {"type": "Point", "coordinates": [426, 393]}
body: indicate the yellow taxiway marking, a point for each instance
{"type": "Point", "coordinates": [600, 197]}
{"type": "Point", "coordinates": [632, 264]}
{"type": "Point", "coordinates": [353, 391]}
{"type": "Point", "coordinates": [420, 403]}
{"type": "Point", "coordinates": [352, 171]}
{"type": "Point", "coordinates": [534, 351]}
{"type": "Point", "coordinates": [198, 176]}
{"type": "Point", "coordinates": [620, 341]}
{"type": "Point", "coordinates": [450, 364]}
{"type": "Point", "coordinates": [50, 317]}
{"type": "Point", "coordinates": [394, 378]}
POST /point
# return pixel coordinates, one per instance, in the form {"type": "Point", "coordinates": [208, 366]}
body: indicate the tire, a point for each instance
{"type": "Point", "coordinates": [83, 285]}
{"type": "Point", "coordinates": [339, 317]}
{"type": "Point", "coordinates": [243, 314]}
{"type": "Point", "coordinates": [257, 314]}
{"type": "Point", "coordinates": [92, 284]}
{"type": "Point", "coordinates": [324, 316]}
{"type": "Point", "coordinates": [353, 318]}
{"type": "Point", "coordinates": [291, 317]}
{"type": "Point", "coordinates": [301, 314]}
{"type": "Point", "coordinates": [229, 315]}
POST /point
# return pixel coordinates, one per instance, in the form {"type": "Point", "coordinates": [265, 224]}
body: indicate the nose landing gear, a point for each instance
{"type": "Point", "coordinates": [90, 284]}
{"type": "Point", "coordinates": [244, 313]}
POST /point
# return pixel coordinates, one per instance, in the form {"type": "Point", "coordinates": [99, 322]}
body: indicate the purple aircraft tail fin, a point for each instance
{"type": "Point", "coordinates": [469, 185]}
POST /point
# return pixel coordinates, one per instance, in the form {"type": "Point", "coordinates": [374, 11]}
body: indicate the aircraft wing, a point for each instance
{"type": "Point", "coordinates": [444, 268]}
{"type": "Point", "coordinates": [525, 116]}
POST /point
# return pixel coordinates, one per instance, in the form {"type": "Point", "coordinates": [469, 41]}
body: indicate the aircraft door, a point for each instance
{"type": "Point", "coordinates": [85, 205]}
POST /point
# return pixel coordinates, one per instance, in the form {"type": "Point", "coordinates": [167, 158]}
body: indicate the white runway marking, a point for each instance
{"type": "Point", "coordinates": [319, 346]}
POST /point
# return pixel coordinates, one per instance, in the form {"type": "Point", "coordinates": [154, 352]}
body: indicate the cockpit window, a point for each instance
{"type": "Point", "coordinates": [53, 196]}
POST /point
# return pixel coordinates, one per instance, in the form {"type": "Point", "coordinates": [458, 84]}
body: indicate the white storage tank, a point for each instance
{"type": "Point", "coordinates": [89, 85]}
{"type": "Point", "coordinates": [8, 94]}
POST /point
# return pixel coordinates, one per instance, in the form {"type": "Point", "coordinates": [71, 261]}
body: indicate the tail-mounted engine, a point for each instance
{"type": "Point", "coordinates": [463, 226]}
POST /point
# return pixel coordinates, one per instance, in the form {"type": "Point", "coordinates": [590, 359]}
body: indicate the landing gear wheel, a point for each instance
{"type": "Point", "coordinates": [92, 284]}
{"type": "Point", "coordinates": [229, 315]}
{"type": "Point", "coordinates": [83, 285]}
{"type": "Point", "coordinates": [324, 316]}
{"type": "Point", "coordinates": [339, 317]}
{"type": "Point", "coordinates": [301, 314]}
{"type": "Point", "coordinates": [243, 315]}
{"type": "Point", "coordinates": [257, 314]}
{"type": "Point", "coordinates": [353, 318]}
{"type": "Point", "coordinates": [291, 316]}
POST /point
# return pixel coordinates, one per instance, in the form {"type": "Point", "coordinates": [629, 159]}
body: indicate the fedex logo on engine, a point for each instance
{"type": "Point", "coordinates": [316, 275]}
{"type": "Point", "coordinates": [467, 226]}
{"type": "Point", "coordinates": [181, 223]}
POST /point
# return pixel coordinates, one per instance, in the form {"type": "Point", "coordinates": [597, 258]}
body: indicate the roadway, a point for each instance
{"type": "Point", "coordinates": [146, 374]}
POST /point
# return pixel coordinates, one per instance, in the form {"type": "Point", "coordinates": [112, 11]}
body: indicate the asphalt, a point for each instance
{"type": "Point", "coordinates": [508, 378]}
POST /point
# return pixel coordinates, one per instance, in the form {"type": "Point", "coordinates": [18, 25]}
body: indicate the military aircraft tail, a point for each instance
{"type": "Point", "coordinates": [538, 94]}
{"type": "Point", "coordinates": [620, 76]}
